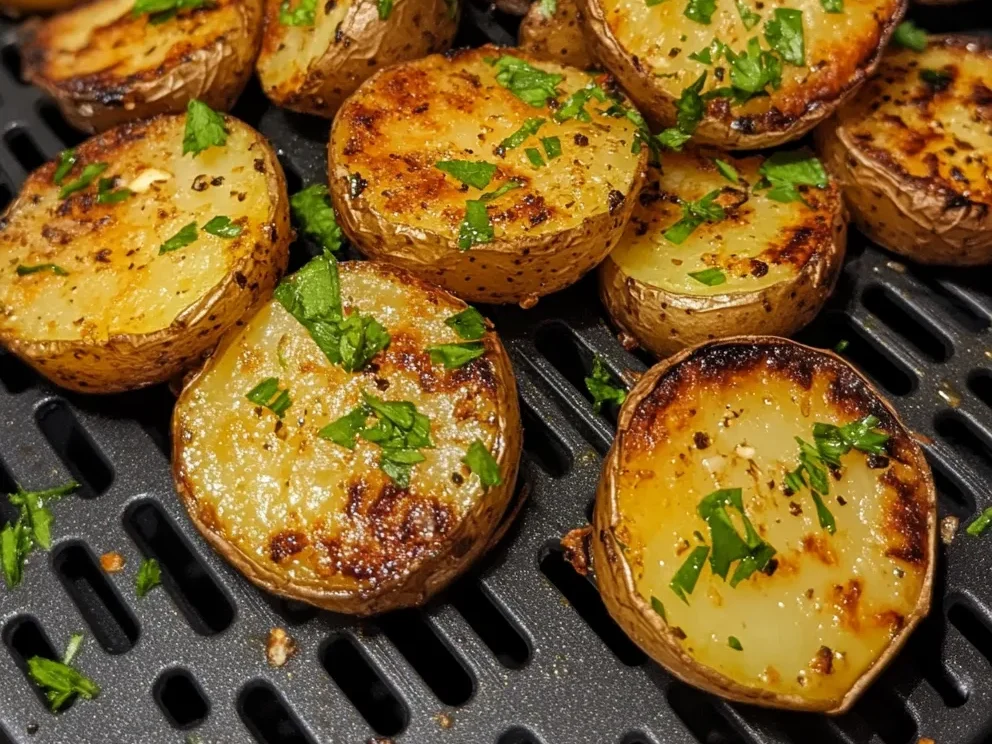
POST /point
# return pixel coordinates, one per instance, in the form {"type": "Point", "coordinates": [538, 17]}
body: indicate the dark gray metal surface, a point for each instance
{"type": "Point", "coordinates": [565, 675]}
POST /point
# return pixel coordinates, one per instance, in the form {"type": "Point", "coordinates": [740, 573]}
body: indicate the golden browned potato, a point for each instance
{"type": "Point", "coordinates": [912, 152]}
{"type": "Point", "coordinates": [760, 265]}
{"type": "Point", "coordinates": [105, 64]}
{"type": "Point", "coordinates": [122, 270]}
{"type": "Point", "coordinates": [553, 31]}
{"type": "Point", "coordinates": [314, 56]}
{"type": "Point", "coordinates": [756, 93]}
{"type": "Point", "coordinates": [442, 167]}
{"type": "Point", "coordinates": [358, 491]}
{"type": "Point", "coordinates": [765, 527]}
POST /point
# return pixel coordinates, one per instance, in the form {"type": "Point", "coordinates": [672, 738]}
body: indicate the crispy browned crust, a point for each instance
{"type": "Point", "coordinates": [215, 73]}
{"type": "Point", "coordinates": [394, 564]}
{"type": "Point", "coordinates": [933, 219]}
{"type": "Point", "coordinates": [725, 359]}
{"type": "Point", "coordinates": [558, 38]}
{"type": "Point", "coordinates": [664, 322]}
{"type": "Point", "coordinates": [790, 119]}
{"type": "Point", "coordinates": [362, 45]}
{"type": "Point", "coordinates": [131, 361]}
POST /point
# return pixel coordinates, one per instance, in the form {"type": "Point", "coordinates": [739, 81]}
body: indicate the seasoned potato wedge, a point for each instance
{"type": "Point", "coordinates": [488, 242]}
{"type": "Point", "coordinates": [304, 516]}
{"type": "Point", "coordinates": [766, 267]}
{"type": "Point", "coordinates": [556, 38]}
{"type": "Point", "coordinates": [913, 152]}
{"type": "Point", "coordinates": [648, 47]}
{"type": "Point", "coordinates": [313, 67]}
{"type": "Point", "coordinates": [104, 65]}
{"type": "Point", "coordinates": [93, 293]}
{"type": "Point", "coordinates": [814, 600]}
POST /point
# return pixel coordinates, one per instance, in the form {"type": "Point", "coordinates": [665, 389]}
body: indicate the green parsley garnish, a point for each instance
{"type": "Point", "coordinates": [834, 441]}
{"type": "Point", "coordinates": [710, 54]}
{"type": "Point", "coordinates": [314, 214]}
{"type": "Point", "coordinates": [753, 553]}
{"type": "Point", "coordinates": [385, 7]}
{"type": "Point", "coordinates": [89, 174]}
{"type": "Point", "coordinates": [980, 524]}
{"type": "Point", "coordinates": [67, 160]}
{"type": "Point", "coordinates": [534, 156]}
{"type": "Point", "coordinates": [107, 194]}
{"type": "Point", "coordinates": [304, 14]}
{"type": "Point", "coordinates": [222, 227]}
{"type": "Point", "coordinates": [313, 296]}
{"type": "Point", "coordinates": [477, 174]}
{"type": "Point", "coordinates": [32, 528]}
{"type": "Point", "coordinates": [658, 607]}
{"type": "Point", "coordinates": [748, 16]}
{"type": "Point", "coordinates": [476, 228]}
{"type": "Point", "coordinates": [841, 346]}
{"type": "Point", "coordinates": [552, 147]}
{"type": "Point", "coordinates": [527, 129]}
{"type": "Point", "coordinates": [937, 80]}
{"type": "Point", "coordinates": [833, 6]}
{"type": "Point", "coordinates": [531, 85]}
{"type": "Point", "coordinates": [268, 395]}
{"type": "Point", "coordinates": [25, 269]}
{"type": "Point", "coordinates": [711, 277]}
{"type": "Point", "coordinates": [186, 235]}
{"type": "Point", "coordinates": [727, 170]}
{"type": "Point", "coordinates": [574, 105]}
{"type": "Point", "coordinates": [784, 34]}
{"type": "Point", "coordinates": [453, 356]}
{"type": "Point", "coordinates": [548, 7]}
{"type": "Point", "coordinates": [204, 128]}
{"type": "Point", "coordinates": [149, 577]}
{"type": "Point", "coordinates": [603, 386]}
{"type": "Point", "coordinates": [468, 324]}
{"type": "Point", "coordinates": [500, 190]}
{"type": "Point", "coordinates": [752, 71]}
{"type": "Point", "coordinates": [689, 110]}
{"type": "Point", "coordinates": [785, 172]}
{"type": "Point", "coordinates": [684, 580]}
{"type": "Point", "coordinates": [481, 462]}
{"type": "Point", "coordinates": [734, 643]}
{"type": "Point", "coordinates": [694, 214]}
{"type": "Point", "coordinates": [908, 35]}
{"type": "Point", "coordinates": [700, 11]}
{"type": "Point", "coordinates": [59, 680]}
{"type": "Point", "coordinates": [160, 11]}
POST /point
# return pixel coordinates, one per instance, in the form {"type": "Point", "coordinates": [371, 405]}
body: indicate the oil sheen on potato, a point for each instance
{"type": "Point", "coordinates": [832, 604]}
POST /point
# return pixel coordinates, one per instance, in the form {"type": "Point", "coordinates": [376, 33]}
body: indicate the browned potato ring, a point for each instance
{"type": "Point", "coordinates": [816, 599]}
{"type": "Point", "coordinates": [566, 212]}
{"type": "Point", "coordinates": [88, 297]}
{"type": "Point", "coordinates": [647, 48]}
{"type": "Point", "coordinates": [105, 66]}
{"type": "Point", "coordinates": [312, 68]}
{"type": "Point", "coordinates": [914, 157]}
{"type": "Point", "coordinates": [306, 517]}
{"type": "Point", "coordinates": [776, 262]}
{"type": "Point", "coordinates": [556, 38]}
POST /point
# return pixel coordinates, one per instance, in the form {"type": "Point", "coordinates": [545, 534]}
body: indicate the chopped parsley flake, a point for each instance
{"type": "Point", "coordinates": [268, 395]}
{"type": "Point", "coordinates": [476, 228]}
{"type": "Point", "coordinates": [468, 324]}
{"type": "Point", "coordinates": [908, 35]}
{"type": "Point", "coordinates": [205, 128]}
{"type": "Point", "coordinates": [603, 386]}
{"type": "Point", "coordinates": [149, 577]}
{"type": "Point", "coordinates": [694, 214]}
{"type": "Point", "coordinates": [711, 277]}
{"type": "Point", "coordinates": [481, 462]}
{"type": "Point", "coordinates": [477, 174]}
{"type": "Point", "coordinates": [784, 34]}
{"type": "Point", "coordinates": [314, 214]}
{"type": "Point", "coordinates": [530, 84]}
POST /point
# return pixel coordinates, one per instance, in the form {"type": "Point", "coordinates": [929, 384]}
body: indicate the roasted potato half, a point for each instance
{"type": "Point", "coordinates": [133, 265]}
{"type": "Point", "coordinates": [755, 95]}
{"type": "Point", "coordinates": [438, 166]}
{"type": "Point", "coordinates": [556, 37]}
{"type": "Point", "coordinates": [766, 266]}
{"type": "Point", "coordinates": [765, 526]}
{"type": "Point", "coordinates": [913, 152]}
{"type": "Point", "coordinates": [311, 514]}
{"type": "Point", "coordinates": [314, 57]}
{"type": "Point", "coordinates": [104, 65]}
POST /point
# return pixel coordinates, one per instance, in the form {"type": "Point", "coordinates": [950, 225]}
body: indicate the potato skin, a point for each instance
{"type": "Point", "coordinates": [126, 361]}
{"type": "Point", "coordinates": [918, 190]}
{"type": "Point", "coordinates": [635, 616]}
{"type": "Point", "coordinates": [16, 8]}
{"type": "Point", "coordinates": [358, 45]}
{"type": "Point", "coordinates": [410, 578]}
{"type": "Point", "coordinates": [130, 69]}
{"type": "Point", "coordinates": [544, 246]}
{"type": "Point", "coordinates": [784, 116]}
{"type": "Point", "coordinates": [664, 321]}
{"type": "Point", "coordinates": [558, 38]}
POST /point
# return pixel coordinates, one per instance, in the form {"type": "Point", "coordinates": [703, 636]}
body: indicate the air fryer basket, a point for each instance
{"type": "Point", "coordinates": [519, 652]}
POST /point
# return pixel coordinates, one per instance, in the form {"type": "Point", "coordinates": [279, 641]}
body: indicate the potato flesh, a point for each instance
{"type": "Point", "coordinates": [289, 45]}
{"type": "Point", "coordinates": [118, 283]}
{"type": "Point", "coordinates": [897, 120]}
{"type": "Point", "coordinates": [432, 110]}
{"type": "Point", "coordinates": [836, 44]}
{"type": "Point", "coordinates": [811, 601]}
{"type": "Point", "coordinates": [774, 233]}
{"type": "Point", "coordinates": [258, 480]}
{"type": "Point", "coordinates": [103, 38]}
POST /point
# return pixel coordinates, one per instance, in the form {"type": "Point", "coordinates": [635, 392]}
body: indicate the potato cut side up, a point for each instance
{"type": "Point", "coordinates": [307, 517]}
{"type": "Point", "coordinates": [913, 152]}
{"type": "Point", "coordinates": [93, 292]}
{"type": "Point", "coordinates": [648, 47]}
{"type": "Point", "coordinates": [312, 65]}
{"type": "Point", "coordinates": [817, 620]}
{"type": "Point", "coordinates": [104, 65]}
{"type": "Point", "coordinates": [766, 266]}
{"type": "Point", "coordinates": [557, 37]}
{"type": "Point", "coordinates": [556, 183]}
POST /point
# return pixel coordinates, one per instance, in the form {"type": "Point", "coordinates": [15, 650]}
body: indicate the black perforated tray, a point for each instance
{"type": "Point", "coordinates": [519, 652]}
